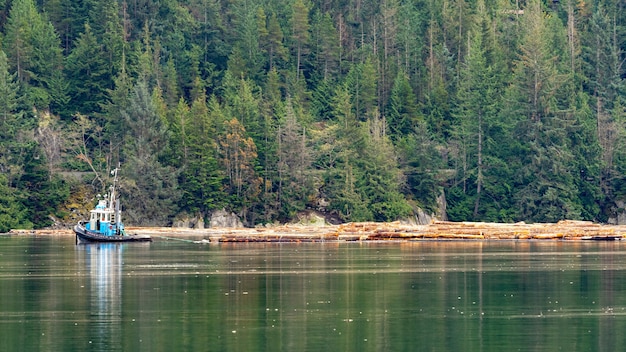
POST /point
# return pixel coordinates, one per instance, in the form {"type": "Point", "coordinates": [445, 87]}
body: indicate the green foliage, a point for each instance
{"type": "Point", "coordinates": [33, 47]}
{"type": "Point", "coordinates": [201, 179]}
{"type": "Point", "coordinates": [403, 113]}
{"type": "Point", "coordinates": [88, 73]}
{"type": "Point", "coordinates": [268, 108]}
{"type": "Point", "coordinates": [238, 158]}
{"type": "Point", "coordinates": [294, 165]}
{"type": "Point", "coordinates": [420, 163]}
{"type": "Point", "coordinates": [13, 214]}
{"type": "Point", "coordinates": [150, 188]}
{"type": "Point", "coordinates": [43, 193]}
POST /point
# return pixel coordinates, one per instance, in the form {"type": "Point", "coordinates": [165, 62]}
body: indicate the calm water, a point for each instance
{"type": "Point", "coordinates": [419, 296]}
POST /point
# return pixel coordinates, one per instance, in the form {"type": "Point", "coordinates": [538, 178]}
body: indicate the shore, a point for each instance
{"type": "Point", "coordinates": [371, 231]}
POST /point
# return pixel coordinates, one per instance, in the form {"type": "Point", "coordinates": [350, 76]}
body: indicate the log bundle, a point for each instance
{"type": "Point", "coordinates": [373, 231]}
{"type": "Point", "coordinates": [390, 231]}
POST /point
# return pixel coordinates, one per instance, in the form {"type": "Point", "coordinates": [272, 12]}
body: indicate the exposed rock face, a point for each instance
{"type": "Point", "coordinates": [222, 218]}
{"type": "Point", "coordinates": [187, 221]}
{"type": "Point", "coordinates": [442, 206]}
{"type": "Point", "coordinates": [182, 223]}
{"type": "Point", "coordinates": [421, 218]}
{"type": "Point", "coordinates": [310, 218]}
{"type": "Point", "coordinates": [620, 214]}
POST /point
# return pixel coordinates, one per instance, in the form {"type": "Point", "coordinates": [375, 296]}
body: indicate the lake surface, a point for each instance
{"type": "Point", "coordinates": [400, 296]}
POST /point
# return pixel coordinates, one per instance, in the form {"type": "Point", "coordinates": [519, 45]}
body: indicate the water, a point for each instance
{"type": "Point", "coordinates": [417, 296]}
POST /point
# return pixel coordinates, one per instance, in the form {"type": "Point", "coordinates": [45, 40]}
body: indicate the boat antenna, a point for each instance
{"type": "Point", "coordinates": [114, 173]}
{"type": "Point", "coordinates": [115, 203]}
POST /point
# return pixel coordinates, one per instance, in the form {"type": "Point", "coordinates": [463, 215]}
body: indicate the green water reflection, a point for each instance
{"type": "Point", "coordinates": [418, 296]}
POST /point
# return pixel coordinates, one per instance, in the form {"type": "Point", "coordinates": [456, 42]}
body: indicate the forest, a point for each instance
{"type": "Point", "coordinates": [500, 110]}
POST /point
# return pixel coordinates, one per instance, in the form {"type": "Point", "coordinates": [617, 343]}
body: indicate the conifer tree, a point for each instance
{"type": "Point", "coordinates": [403, 113]}
{"type": "Point", "coordinates": [300, 32]}
{"type": "Point", "coordinates": [545, 189]}
{"type": "Point", "coordinates": [604, 67]}
{"type": "Point", "coordinates": [150, 188]}
{"type": "Point", "coordinates": [294, 161]}
{"type": "Point", "coordinates": [87, 74]}
{"type": "Point", "coordinates": [11, 124]}
{"type": "Point", "coordinates": [33, 47]}
{"type": "Point", "coordinates": [238, 158]}
{"type": "Point", "coordinates": [201, 179]}
{"type": "Point", "coordinates": [275, 45]}
{"type": "Point", "coordinates": [478, 101]}
{"type": "Point", "coordinates": [13, 214]}
{"type": "Point", "coordinates": [379, 178]}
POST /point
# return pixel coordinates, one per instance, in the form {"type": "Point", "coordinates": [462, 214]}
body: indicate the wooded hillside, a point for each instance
{"type": "Point", "coordinates": [513, 110]}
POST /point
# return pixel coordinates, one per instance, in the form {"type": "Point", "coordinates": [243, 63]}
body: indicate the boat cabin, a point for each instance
{"type": "Point", "coordinates": [104, 221]}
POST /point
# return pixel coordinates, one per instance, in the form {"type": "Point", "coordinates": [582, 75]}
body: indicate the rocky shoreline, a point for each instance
{"type": "Point", "coordinates": [372, 231]}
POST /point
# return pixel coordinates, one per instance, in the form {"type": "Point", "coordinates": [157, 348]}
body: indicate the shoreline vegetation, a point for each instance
{"type": "Point", "coordinates": [373, 231]}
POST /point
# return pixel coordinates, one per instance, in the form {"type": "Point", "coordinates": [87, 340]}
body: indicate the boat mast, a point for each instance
{"type": "Point", "coordinates": [114, 173]}
{"type": "Point", "coordinates": [115, 203]}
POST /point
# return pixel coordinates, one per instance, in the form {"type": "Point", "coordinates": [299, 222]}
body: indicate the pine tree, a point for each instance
{"type": "Point", "coordinates": [403, 113]}
{"type": "Point", "coordinates": [294, 161]}
{"type": "Point", "coordinates": [379, 178]}
{"type": "Point", "coordinates": [604, 67]}
{"type": "Point", "coordinates": [300, 32]}
{"type": "Point", "coordinates": [478, 100]}
{"type": "Point", "coordinates": [275, 43]}
{"type": "Point", "coordinates": [546, 189]}
{"type": "Point", "coordinates": [238, 157]}
{"type": "Point", "coordinates": [150, 188]}
{"type": "Point", "coordinates": [328, 51]}
{"type": "Point", "coordinates": [201, 180]}
{"type": "Point", "coordinates": [87, 73]}
{"type": "Point", "coordinates": [11, 124]}
{"type": "Point", "coordinates": [13, 214]}
{"type": "Point", "coordinates": [33, 47]}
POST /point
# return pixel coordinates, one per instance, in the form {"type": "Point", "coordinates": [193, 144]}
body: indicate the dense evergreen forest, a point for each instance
{"type": "Point", "coordinates": [510, 110]}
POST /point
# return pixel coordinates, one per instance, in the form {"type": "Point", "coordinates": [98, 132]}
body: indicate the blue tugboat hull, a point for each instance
{"type": "Point", "coordinates": [84, 235]}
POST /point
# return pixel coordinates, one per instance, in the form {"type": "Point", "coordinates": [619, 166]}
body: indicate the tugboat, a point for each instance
{"type": "Point", "coordinates": [105, 222]}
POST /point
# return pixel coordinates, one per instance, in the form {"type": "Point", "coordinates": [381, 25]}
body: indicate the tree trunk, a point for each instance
{"type": "Point", "coordinates": [479, 178]}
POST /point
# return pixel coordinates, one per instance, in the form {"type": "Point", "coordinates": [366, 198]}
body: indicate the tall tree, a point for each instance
{"type": "Point", "coordinates": [339, 156]}
{"type": "Point", "coordinates": [87, 73]}
{"type": "Point", "coordinates": [33, 47]}
{"type": "Point", "coordinates": [112, 120]}
{"type": "Point", "coordinates": [327, 45]}
{"type": "Point", "coordinates": [107, 26]}
{"type": "Point", "coordinates": [420, 159]}
{"type": "Point", "coordinates": [604, 58]}
{"type": "Point", "coordinates": [212, 35]}
{"type": "Point", "coordinates": [202, 180]}
{"type": "Point", "coordinates": [150, 186]}
{"type": "Point", "coordinates": [300, 31]}
{"type": "Point", "coordinates": [11, 124]}
{"type": "Point", "coordinates": [379, 178]}
{"type": "Point", "coordinates": [238, 156]}
{"type": "Point", "coordinates": [42, 192]}
{"type": "Point", "coordinates": [546, 189]}
{"type": "Point", "coordinates": [244, 18]}
{"type": "Point", "coordinates": [403, 113]}
{"type": "Point", "coordinates": [294, 161]}
{"type": "Point", "coordinates": [13, 214]}
{"type": "Point", "coordinates": [478, 100]}
{"type": "Point", "coordinates": [275, 46]}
